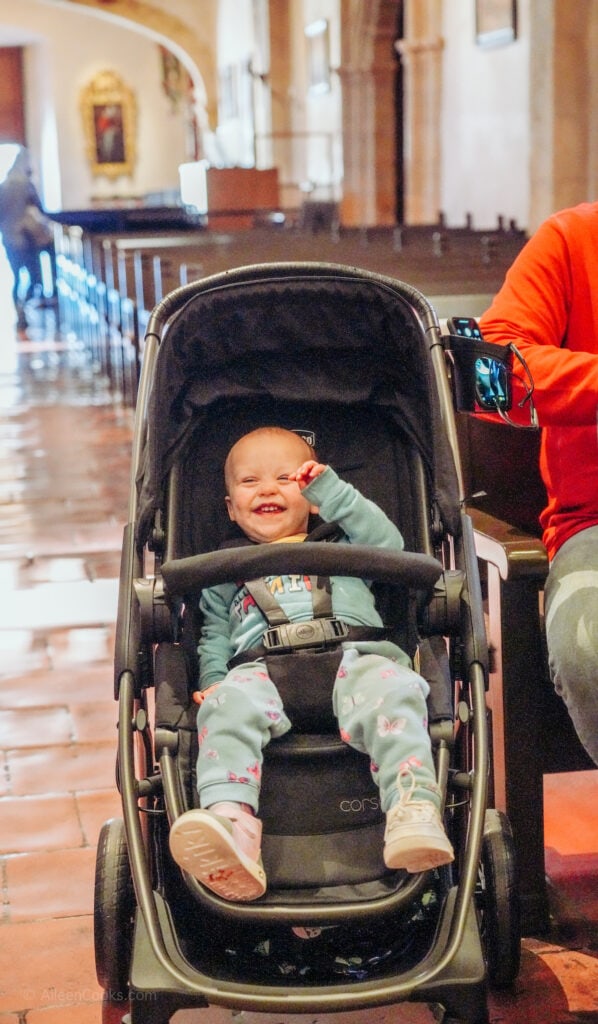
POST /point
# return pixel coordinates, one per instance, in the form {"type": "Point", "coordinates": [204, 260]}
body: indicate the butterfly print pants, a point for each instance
{"type": "Point", "coordinates": [379, 703]}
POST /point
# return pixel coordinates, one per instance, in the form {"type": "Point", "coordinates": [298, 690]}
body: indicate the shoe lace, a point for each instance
{"type": "Point", "coordinates": [406, 785]}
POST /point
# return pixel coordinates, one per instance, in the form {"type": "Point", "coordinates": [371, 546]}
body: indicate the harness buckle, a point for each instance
{"type": "Point", "coordinates": [291, 636]}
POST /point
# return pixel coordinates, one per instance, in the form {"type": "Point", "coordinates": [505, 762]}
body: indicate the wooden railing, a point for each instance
{"type": "Point", "coordinates": [107, 284]}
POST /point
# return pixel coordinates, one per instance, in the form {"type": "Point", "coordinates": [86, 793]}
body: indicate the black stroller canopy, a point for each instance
{"type": "Point", "coordinates": [318, 337]}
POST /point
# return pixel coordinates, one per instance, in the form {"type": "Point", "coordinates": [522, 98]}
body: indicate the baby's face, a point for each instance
{"type": "Point", "coordinates": [261, 499]}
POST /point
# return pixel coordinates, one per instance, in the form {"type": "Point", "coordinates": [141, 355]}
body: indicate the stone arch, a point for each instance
{"type": "Point", "coordinates": [193, 46]}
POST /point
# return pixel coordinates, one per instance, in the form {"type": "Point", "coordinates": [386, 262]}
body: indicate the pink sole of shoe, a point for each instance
{"type": "Point", "coordinates": [205, 849]}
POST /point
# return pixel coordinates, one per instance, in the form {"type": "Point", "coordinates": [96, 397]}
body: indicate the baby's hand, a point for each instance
{"type": "Point", "coordinates": [307, 472]}
{"type": "Point", "coordinates": [200, 695]}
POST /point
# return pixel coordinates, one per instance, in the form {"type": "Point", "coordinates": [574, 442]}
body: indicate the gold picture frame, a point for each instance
{"type": "Point", "coordinates": [109, 114]}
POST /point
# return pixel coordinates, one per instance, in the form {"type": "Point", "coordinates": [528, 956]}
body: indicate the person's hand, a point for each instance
{"type": "Point", "coordinates": [306, 473]}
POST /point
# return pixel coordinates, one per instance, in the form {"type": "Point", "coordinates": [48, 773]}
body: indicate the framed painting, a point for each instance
{"type": "Point", "coordinates": [495, 22]}
{"type": "Point", "coordinates": [109, 122]}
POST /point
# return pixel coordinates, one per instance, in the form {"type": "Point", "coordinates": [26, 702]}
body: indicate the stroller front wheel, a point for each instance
{"type": "Point", "coordinates": [114, 904]}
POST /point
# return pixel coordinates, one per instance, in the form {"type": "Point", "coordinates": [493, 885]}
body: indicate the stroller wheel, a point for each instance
{"type": "Point", "coordinates": [498, 901]}
{"type": "Point", "coordinates": [114, 904]}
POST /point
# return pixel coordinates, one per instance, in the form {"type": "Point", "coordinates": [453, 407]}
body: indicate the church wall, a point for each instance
{"type": "Point", "coordinates": [485, 122]}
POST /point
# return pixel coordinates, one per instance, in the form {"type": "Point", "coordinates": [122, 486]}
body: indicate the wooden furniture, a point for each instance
{"type": "Point", "coordinates": [531, 732]}
{"type": "Point", "coordinates": [237, 195]}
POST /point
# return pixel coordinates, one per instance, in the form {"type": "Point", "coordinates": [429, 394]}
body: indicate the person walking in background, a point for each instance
{"type": "Point", "coordinates": [548, 308]}
{"type": "Point", "coordinates": [25, 231]}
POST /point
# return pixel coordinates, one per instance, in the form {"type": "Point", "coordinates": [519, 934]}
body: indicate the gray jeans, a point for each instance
{"type": "Point", "coordinates": [571, 611]}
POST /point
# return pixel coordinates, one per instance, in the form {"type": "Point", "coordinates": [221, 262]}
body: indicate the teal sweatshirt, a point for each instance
{"type": "Point", "coordinates": [231, 620]}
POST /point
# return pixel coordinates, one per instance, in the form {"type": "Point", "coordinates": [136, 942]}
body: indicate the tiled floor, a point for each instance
{"type": "Point", "coordinates": [64, 450]}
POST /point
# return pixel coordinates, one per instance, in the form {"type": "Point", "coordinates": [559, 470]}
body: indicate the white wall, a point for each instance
{"type": "Point", "coordinates": [235, 131]}
{"type": "Point", "coordinates": [65, 49]}
{"type": "Point", "coordinates": [323, 109]}
{"type": "Point", "coordinates": [485, 122]}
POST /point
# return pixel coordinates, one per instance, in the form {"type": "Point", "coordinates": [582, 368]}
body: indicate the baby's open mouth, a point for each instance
{"type": "Point", "coordinates": [268, 509]}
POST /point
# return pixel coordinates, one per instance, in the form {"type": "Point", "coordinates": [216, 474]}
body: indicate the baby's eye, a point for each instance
{"type": "Point", "coordinates": [248, 480]}
{"type": "Point", "coordinates": [283, 476]}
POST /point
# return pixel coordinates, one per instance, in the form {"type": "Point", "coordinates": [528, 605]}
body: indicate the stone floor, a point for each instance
{"type": "Point", "coordinates": [64, 465]}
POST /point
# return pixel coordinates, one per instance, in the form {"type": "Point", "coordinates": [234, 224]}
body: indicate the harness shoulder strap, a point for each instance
{"type": "Point", "coordinates": [321, 590]}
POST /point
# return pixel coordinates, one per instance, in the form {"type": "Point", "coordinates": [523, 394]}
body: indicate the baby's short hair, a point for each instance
{"type": "Point", "coordinates": [308, 438]}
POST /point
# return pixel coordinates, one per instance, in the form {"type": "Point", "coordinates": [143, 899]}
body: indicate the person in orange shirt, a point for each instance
{"type": "Point", "coordinates": [548, 307]}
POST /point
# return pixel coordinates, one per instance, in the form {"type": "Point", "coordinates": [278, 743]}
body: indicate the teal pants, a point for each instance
{"type": "Point", "coordinates": [380, 706]}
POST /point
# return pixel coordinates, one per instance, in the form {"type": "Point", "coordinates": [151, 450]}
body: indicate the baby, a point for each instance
{"type": "Point", "coordinates": [273, 483]}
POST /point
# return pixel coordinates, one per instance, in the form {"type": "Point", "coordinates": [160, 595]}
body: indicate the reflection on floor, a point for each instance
{"type": "Point", "coordinates": [64, 464]}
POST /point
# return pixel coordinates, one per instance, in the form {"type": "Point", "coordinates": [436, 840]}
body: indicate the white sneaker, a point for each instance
{"type": "Point", "coordinates": [414, 838]}
{"type": "Point", "coordinates": [222, 852]}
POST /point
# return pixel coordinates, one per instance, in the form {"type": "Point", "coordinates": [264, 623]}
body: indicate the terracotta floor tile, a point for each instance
{"type": "Point", "coordinates": [573, 798]}
{"type": "Point", "coordinates": [24, 654]}
{"type": "Point", "coordinates": [67, 686]}
{"type": "Point", "coordinates": [28, 727]}
{"type": "Point", "coordinates": [62, 605]}
{"type": "Point", "coordinates": [39, 823]}
{"type": "Point", "coordinates": [81, 648]}
{"type": "Point", "coordinates": [62, 769]}
{"type": "Point", "coordinates": [4, 786]}
{"type": "Point", "coordinates": [574, 880]}
{"type": "Point", "coordinates": [577, 974]}
{"type": "Point", "coordinates": [96, 808]}
{"type": "Point", "coordinates": [94, 722]}
{"type": "Point", "coordinates": [62, 539]}
{"type": "Point", "coordinates": [56, 967]}
{"type": "Point", "coordinates": [33, 571]}
{"type": "Point", "coordinates": [50, 885]}
{"type": "Point", "coordinates": [79, 1013]}
{"type": "Point", "coordinates": [71, 1013]}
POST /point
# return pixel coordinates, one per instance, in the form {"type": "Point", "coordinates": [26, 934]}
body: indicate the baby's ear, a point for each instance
{"type": "Point", "coordinates": [229, 508]}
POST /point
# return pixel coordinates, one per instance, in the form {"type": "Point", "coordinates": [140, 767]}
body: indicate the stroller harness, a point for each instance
{"type": "Point", "coordinates": [303, 658]}
{"type": "Point", "coordinates": [319, 634]}
{"type": "Point", "coordinates": [322, 632]}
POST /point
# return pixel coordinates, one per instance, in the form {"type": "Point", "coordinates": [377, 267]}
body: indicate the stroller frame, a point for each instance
{"type": "Point", "coordinates": [148, 971]}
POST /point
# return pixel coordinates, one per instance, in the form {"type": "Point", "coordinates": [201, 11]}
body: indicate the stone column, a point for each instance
{"type": "Point", "coordinates": [368, 78]}
{"type": "Point", "coordinates": [421, 50]}
{"type": "Point", "coordinates": [561, 77]}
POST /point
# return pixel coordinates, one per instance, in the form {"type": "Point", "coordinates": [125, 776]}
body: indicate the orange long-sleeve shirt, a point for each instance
{"type": "Point", "coordinates": [548, 307]}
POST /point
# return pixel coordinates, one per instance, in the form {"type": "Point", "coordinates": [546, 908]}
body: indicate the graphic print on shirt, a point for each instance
{"type": "Point", "coordinates": [292, 585]}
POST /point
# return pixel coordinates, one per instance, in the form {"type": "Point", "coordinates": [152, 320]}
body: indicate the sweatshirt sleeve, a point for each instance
{"type": "Point", "coordinates": [214, 648]}
{"type": "Point", "coordinates": [545, 309]}
{"type": "Point", "coordinates": [363, 521]}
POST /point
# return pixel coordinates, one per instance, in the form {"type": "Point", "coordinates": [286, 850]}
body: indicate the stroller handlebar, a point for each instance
{"type": "Point", "coordinates": [192, 574]}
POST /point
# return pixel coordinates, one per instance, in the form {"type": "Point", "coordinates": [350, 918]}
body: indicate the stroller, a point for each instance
{"type": "Point", "coordinates": [357, 360]}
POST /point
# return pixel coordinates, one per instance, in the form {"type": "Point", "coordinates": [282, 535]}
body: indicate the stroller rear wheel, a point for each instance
{"type": "Point", "coordinates": [498, 901]}
{"type": "Point", "coordinates": [114, 904]}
